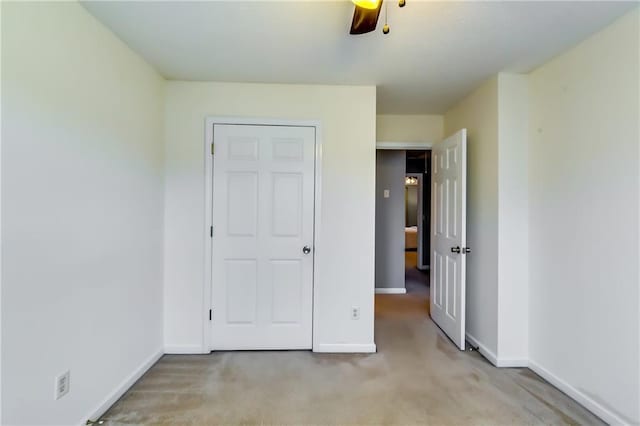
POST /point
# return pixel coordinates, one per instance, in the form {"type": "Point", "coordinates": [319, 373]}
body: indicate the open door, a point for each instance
{"type": "Point", "coordinates": [449, 235]}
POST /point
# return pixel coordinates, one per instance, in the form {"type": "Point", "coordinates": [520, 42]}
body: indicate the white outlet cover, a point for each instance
{"type": "Point", "coordinates": [355, 312]}
{"type": "Point", "coordinates": [62, 385]}
{"type": "Point", "coordinates": [386, 193]}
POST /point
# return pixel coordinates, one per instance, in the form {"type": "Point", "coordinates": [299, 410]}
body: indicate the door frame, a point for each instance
{"type": "Point", "coordinates": [404, 146]}
{"type": "Point", "coordinates": [207, 301]}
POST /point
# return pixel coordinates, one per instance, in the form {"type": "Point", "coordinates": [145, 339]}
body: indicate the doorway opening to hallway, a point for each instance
{"type": "Point", "coordinates": [421, 245]}
{"type": "Point", "coordinates": [417, 221]}
{"type": "Point", "coordinates": [403, 216]}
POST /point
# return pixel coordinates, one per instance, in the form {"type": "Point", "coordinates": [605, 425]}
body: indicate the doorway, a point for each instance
{"type": "Point", "coordinates": [417, 220]}
{"type": "Point", "coordinates": [403, 201]}
{"type": "Point", "coordinates": [446, 292]}
{"type": "Point", "coordinates": [263, 200]}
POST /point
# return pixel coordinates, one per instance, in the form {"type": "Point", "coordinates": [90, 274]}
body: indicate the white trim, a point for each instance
{"type": "Point", "coordinates": [345, 348]}
{"type": "Point", "coordinates": [404, 145]}
{"type": "Point", "coordinates": [185, 350]}
{"type": "Point", "coordinates": [390, 290]}
{"type": "Point", "coordinates": [596, 408]}
{"type": "Point", "coordinates": [208, 177]}
{"type": "Point", "coordinates": [123, 387]}
{"type": "Point", "coordinates": [512, 363]}
{"type": "Point", "coordinates": [484, 351]}
{"type": "Point", "coordinates": [317, 216]}
{"type": "Point", "coordinates": [493, 358]}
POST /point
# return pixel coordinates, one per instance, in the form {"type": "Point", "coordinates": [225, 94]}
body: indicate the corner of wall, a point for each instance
{"type": "Point", "coordinates": [478, 113]}
{"type": "Point", "coordinates": [513, 213]}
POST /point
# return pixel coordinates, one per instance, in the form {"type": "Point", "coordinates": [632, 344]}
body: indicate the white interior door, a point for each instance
{"type": "Point", "coordinates": [449, 235]}
{"type": "Point", "coordinates": [263, 203]}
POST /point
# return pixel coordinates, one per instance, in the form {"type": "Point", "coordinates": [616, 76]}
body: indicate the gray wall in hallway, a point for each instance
{"type": "Point", "coordinates": [390, 172]}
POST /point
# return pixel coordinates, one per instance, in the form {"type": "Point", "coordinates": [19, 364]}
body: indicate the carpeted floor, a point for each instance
{"type": "Point", "coordinates": [415, 281]}
{"type": "Point", "coordinates": [417, 377]}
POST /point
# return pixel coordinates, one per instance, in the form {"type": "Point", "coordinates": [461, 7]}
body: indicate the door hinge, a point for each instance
{"type": "Point", "coordinates": [212, 148]}
{"type": "Point", "coordinates": [210, 314]}
{"type": "Point", "coordinates": [211, 232]}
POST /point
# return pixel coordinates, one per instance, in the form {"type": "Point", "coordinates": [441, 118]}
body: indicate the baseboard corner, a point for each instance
{"type": "Point", "coordinates": [124, 386]}
{"type": "Point", "coordinates": [484, 351]}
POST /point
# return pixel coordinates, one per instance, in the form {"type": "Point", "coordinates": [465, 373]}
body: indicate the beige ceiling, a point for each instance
{"type": "Point", "coordinates": [435, 53]}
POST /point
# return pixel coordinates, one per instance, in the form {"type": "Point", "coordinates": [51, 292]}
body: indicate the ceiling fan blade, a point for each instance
{"type": "Point", "coordinates": [365, 20]}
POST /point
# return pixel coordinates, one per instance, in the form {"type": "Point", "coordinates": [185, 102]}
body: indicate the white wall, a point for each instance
{"type": "Point", "coordinates": [496, 117]}
{"type": "Point", "coordinates": [584, 169]}
{"type": "Point", "coordinates": [81, 212]}
{"type": "Point", "coordinates": [409, 128]}
{"type": "Point", "coordinates": [390, 218]}
{"type": "Point", "coordinates": [478, 113]}
{"type": "Point", "coordinates": [345, 258]}
{"type": "Point", "coordinates": [513, 215]}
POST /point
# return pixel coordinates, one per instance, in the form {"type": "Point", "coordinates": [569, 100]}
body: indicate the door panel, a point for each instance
{"type": "Point", "coordinates": [448, 239]}
{"type": "Point", "coordinates": [286, 205]}
{"type": "Point", "coordinates": [287, 290]}
{"type": "Point", "coordinates": [242, 204]}
{"type": "Point", "coordinates": [241, 277]}
{"type": "Point", "coordinates": [263, 201]}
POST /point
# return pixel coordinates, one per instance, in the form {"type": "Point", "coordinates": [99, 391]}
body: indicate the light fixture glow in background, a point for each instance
{"type": "Point", "coordinates": [367, 4]}
{"type": "Point", "coordinates": [410, 180]}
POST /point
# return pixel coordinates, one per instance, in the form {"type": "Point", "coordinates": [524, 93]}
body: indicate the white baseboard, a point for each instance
{"type": "Point", "coordinates": [484, 351]}
{"type": "Point", "coordinates": [493, 358]}
{"type": "Point", "coordinates": [390, 290]}
{"type": "Point", "coordinates": [512, 363]}
{"type": "Point", "coordinates": [345, 348]}
{"type": "Point", "coordinates": [596, 408]}
{"type": "Point", "coordinates": [123, 387]}
{"type": "Point", "coordinates": [185, 350]}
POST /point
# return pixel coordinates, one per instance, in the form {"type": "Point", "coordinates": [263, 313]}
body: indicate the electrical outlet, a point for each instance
{"type": "Point", "coordinates": [355, 313]}
{"type": "Point", "coordinates": [62, 384]}
{"type": "Point", "coordinates": [386, 193]}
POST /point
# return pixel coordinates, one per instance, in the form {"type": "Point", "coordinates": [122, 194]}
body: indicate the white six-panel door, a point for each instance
{"type": "Point", "coordinates": [262, 252]}
{"type": "Point", "coordinates": [449, 235]}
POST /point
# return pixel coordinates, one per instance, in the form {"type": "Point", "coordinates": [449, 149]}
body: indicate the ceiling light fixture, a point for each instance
{"type": "Point", "coordinates": [385, 28]}
{"type": "Point", "coordinates": [367, 4]}
{"type": "Point", "coordinates": [366, 14]}
{"type": "Point", "coordinates": [410, 180]}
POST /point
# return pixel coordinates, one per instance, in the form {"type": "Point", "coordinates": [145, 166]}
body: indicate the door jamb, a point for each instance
{"type": "Point", "coordinates": [404, 146]}
{"type": "Point", "coordinates": [210, 121]}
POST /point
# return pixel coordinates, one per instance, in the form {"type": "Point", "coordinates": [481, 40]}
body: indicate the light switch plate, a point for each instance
{"type": "Point", "coordinates": [385, 193]}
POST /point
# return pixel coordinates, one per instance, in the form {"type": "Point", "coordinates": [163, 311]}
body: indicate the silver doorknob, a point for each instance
{"type": "Point", "coordinates": [466, 250]}
{"type": "Point", "coordinates": [306, 249]}
{"type": "Point", "coordinates": [455, 249]}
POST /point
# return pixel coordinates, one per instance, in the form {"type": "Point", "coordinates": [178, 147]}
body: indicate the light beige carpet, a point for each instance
{"type": "Point", "coordinates": [417, 377]}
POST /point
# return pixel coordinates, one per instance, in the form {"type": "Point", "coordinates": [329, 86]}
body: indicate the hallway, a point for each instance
{"type": "Point", "coordinates": [415, 280]}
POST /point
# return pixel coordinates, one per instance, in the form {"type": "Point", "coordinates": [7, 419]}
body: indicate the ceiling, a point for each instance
{"type": "Point", "coordinates": [435, 54]}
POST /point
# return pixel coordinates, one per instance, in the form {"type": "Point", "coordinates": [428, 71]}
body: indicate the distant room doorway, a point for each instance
{"type": "Point", "coordinates": [417, 209]}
